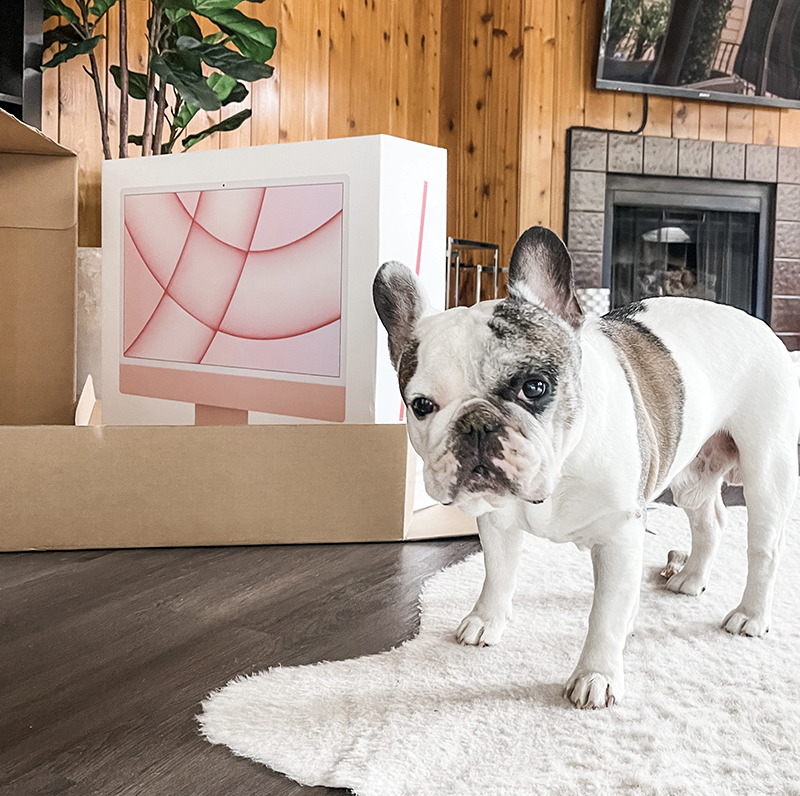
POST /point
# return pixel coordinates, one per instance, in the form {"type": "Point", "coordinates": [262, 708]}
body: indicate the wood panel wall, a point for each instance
{"type": "Point", "coordinates": [342, 68]}
{"type": "Point", "coordinates": [560, 39]}
{"type": "Point", "coordinates": [496, 82]}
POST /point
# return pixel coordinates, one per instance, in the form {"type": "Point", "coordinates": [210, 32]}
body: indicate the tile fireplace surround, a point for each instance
{"type": "Point", "coordinates": [594, 155]}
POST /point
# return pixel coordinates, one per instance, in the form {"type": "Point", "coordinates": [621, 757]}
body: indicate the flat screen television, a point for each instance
{"type": "Point", "coordinates": [730, 50]}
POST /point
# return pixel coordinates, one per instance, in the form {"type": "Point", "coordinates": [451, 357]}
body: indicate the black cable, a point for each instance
{"type": "Point", "coordinates": [645, 104]}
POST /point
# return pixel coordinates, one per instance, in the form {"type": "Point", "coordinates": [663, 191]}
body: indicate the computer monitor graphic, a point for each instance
{"type": "Point", "coordinates": [232, 296]}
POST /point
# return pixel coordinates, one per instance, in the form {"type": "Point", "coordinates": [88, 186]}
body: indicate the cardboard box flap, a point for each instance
{"type": "Point", "coordinates": [19, 138]}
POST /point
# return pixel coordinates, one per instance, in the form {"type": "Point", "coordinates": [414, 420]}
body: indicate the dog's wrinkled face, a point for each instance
{"type": "Point", "coordinates": [491, 390]}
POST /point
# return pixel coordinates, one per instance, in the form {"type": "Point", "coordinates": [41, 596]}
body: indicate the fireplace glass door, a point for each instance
{"type": "Point", "coordinates": [702, 253]}
{"type": "Point", "coordinates": [707, 239]}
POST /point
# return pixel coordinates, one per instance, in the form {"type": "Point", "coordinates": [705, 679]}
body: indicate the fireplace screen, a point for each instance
{"type": "Point", "coordinates": [702, 253]}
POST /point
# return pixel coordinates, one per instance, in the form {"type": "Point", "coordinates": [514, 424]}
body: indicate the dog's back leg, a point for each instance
{"type": "Point", "coordinates": [697, 490]}
{"type": "Point", "coordinates": [768, 463]}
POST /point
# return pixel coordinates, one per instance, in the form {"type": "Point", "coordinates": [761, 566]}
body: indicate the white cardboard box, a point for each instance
{"type": "Point", "coordinates": [394, 195]}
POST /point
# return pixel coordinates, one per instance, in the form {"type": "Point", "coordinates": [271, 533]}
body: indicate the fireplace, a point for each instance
{"type": "Point", "coordinates": [647, 215]}
{"type": "Point", "coordinates": [706, 239]}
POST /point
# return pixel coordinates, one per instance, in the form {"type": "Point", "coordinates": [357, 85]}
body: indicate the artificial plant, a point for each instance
{"type": "Point", "coordinates": [186, 70]}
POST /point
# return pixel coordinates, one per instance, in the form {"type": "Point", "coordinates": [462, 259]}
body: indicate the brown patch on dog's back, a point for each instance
{"type": "Point", "coordinates": [657, 389]}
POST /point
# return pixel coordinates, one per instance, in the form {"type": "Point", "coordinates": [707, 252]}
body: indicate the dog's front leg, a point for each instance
{"type": "Point", "coordinates": [501, 545]}
{"type": "Point", "coordinates": [598, 679]}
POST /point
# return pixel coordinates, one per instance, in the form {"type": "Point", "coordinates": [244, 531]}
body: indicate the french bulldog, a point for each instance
{"type": "Point", "coordinates": [534, 417]}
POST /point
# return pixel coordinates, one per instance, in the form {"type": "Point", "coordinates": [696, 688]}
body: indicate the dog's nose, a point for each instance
{"type": "Point", "coordinates": [478, 422]}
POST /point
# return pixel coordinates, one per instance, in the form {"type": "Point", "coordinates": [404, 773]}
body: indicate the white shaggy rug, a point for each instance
{"type": "Point", "coordinates": [704, 713]}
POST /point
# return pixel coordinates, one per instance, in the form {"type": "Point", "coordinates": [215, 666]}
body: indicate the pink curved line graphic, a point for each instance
{"type": "Point", "coordinates": [261, 266]}
{"type": "Point", "coordinates": [310, 224]}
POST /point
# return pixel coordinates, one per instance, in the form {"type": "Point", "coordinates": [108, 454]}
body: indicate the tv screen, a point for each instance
{"type": "Point", "coordinates": [730, 50]}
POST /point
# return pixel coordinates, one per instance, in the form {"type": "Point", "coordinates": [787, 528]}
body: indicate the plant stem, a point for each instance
{"type": "Point", "coordinates": [123, 78]}
{"type": "Point", "coordinates": [98, 93]}
{"type": "Point", "coordinates": [149, 103]}
{"type": "Point", "coordinates": [88, 30]}
{"type": "Point", "coordinates": [161, 112]}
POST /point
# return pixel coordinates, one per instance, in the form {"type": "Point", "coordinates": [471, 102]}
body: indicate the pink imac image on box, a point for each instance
{"type": "Point", "coordinates": [232, 297]}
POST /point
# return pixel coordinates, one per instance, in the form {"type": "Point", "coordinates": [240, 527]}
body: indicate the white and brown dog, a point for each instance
{"type": "Point", "coordinates": [534, 418]}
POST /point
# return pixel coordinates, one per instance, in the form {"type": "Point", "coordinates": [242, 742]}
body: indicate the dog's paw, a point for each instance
{"type": "Point", "coordinates": [587, 689]}
{"type": "Point", "coordinates": [687, 581]}
{"type": "Point", "coordinates": [481, 631]}
{"type": "Point", "coordinates": [744, 623]}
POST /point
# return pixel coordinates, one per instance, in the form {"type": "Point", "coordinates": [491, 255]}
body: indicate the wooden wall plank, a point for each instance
{"type": "Point", "coordinates": [503, 128]}
{"type": "Point", "coordinates": [400, 99]}
{"type": "Point", "coordinates": [450, 126]}
{"type": "Point", "coordinates": [376, 48]}
{"type": "Point", "coordinates": [659, 116]}
{"type": "Point", "coordinates": [766, 126]}
{"type": "Point", "coordinates": [740, 125]}
{"type": "Point", "coordinates": [713, 121]}
{"type": "Point", "coordinates": [790, 127]}
{"type": "Point", "coordinates": [476, 68]}
{"type": "Point", "coordinates": [598, 105]}
{"type": "Point", "coordinates": [685, 118]}
{"type": "Point", "coordinates": [628, 110]}
{"type": "Point", "coordinates": [538, 113]}
{"type": "Point", "coordinates": [317, 70]}
{"type": "Point", "coordinates": [428, 17]}
{"type": "Point", "coordinates": [265, 94]}
{"type": "Point", "coordinates": [569, 98]}
{"type": "Point", "coordinates": [295, 21]}
{"type": "Point", "coordinates": [341, 60]}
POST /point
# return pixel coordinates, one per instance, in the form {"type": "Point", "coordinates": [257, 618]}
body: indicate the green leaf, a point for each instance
{"type": "Point", "coordinates": [65, 34]}
{"type": "Point", "coordinates": [214, 38]}
{"type": "Point", "coordinates": [72, 50]}
{"type": "Point", "coordinates": [56, 8]}
{"type": "Point", "coordinates": [185, 115]}
{"type": "Point", "coordinates": [137, 82]}
{"type": "Point", "coordinates": [226, 88]}
{"type": "Point", "coordinates": [204, 6]}
{"type": "Point", "coordinates": [100, 7]}
{"type": "Point", "coordinates": [136, 139]}
{"type": "Point", "coordinates": [177, 14]}
{"type": "Point", "coordinates": [253, 39]}
{"type": "Point", "coordinates": [175, 5]}
{"type": "Point", "coordinates": [226, 125]}
{"type": "Point", "coordinates": [192, 87]}
{"type": "Point", "coordinates": [218, 56]}
{"type": "Point", "coordinates": [187, 26]}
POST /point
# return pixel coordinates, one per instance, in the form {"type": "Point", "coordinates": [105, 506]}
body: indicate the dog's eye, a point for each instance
{"type": "Point", "coordinates": [422, 407]}
{"type": "Point", "coordinates": [532, 390]}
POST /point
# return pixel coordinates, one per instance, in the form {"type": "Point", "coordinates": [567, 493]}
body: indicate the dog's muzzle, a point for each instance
{"type": "Point", "coordinates": [477, 442]}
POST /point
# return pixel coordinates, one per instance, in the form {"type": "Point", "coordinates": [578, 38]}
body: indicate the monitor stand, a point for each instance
{"type": "Point", "coordinates": [219, 416]}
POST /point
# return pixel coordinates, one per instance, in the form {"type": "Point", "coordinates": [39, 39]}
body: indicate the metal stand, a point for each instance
{"type": "Point", "coordinates": [455, 246]}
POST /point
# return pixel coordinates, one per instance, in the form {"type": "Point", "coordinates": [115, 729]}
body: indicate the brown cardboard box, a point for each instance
{"type": "Point", "coordinates": [38, 237]}
{"type": "Point", "coordinates": [91, 486]}
{"type": "Point", "coordinates": [160, 486]}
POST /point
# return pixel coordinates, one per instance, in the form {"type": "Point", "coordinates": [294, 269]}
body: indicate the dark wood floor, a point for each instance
{"type": "Point", "coordinates": [105, 655]}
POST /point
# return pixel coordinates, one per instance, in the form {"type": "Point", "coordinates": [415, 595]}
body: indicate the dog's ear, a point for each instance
{"type": "Point", "coordinates": [400, 301]}
{"type": "Point", "coordinates": [541, 272]}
